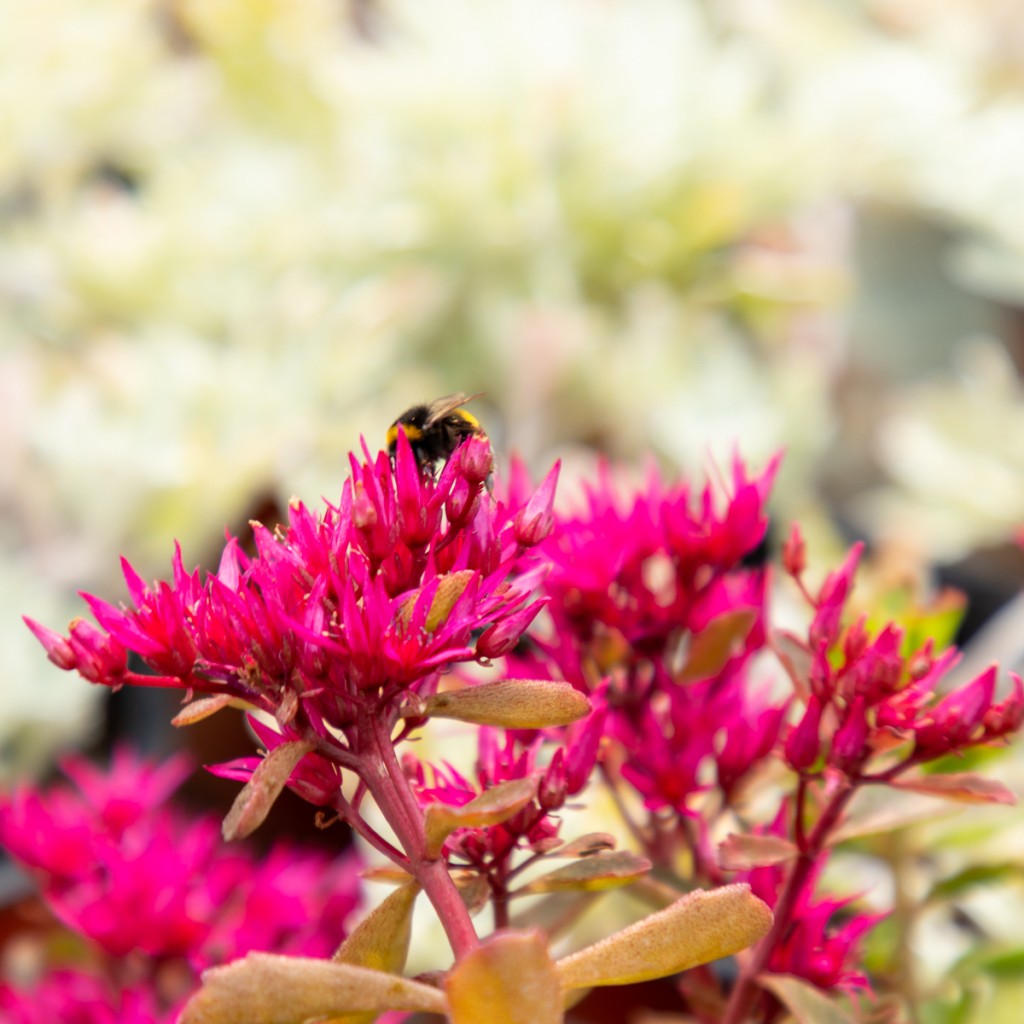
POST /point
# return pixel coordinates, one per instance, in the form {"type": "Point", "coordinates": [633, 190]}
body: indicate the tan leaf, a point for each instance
{"type": "Point", "coordinates": [450, 588]}
{"type": "Point", "coordinates": [253, 803]}
{"type": "Point", "coordinates": [381, 939]}
{"type": "Point", "coordinates": [264, 988]}
{"type": "Point", "coordinates": [509, 703]}
{"type": "Point", "coordinates": [509, 979]}
{"type": "Point", "coordinates": [591, 874]}
{"type": "Point", "coordinates": [475, 891]}
{"type": "Point", "coordinates": [586, 846]}
{"type": "Point", "coordinates": [698, 928]}
{"type": "Point", "coordinates": [491, 807]}
{"type": "Point", "coordinates": [808, 1004]}
{"type": "Point", "coordinates": [386, 873]}
{"type": "Point", "coordinates": [721, 639]}
{"type": "Point", "coordinates": [741, 852]}
{"type": "Point", "coordinates": [963, 787]}
{"type": "Point", "coordinates": [197, 710]}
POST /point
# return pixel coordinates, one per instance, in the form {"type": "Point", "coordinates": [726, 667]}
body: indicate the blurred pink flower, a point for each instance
{"type": "Point", "coordinates": [119, 865]}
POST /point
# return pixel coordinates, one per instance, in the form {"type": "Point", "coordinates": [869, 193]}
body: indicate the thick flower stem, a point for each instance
{"type": "Point", "coordinates": [391, 791]}
{"type": "Point", "coordinates": [745, 990]}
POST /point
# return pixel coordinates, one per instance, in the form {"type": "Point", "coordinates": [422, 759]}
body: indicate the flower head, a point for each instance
{"type": "Point", "coordinates": [339, 615]}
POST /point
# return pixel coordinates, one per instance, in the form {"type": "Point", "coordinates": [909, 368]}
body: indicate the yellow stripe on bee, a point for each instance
{"type": "Point", "coordinates": [411, 432]}
{"type": "Point", "coordinates": [468, 417]}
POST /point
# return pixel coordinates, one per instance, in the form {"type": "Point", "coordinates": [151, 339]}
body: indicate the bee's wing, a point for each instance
{"type": "Point", "coordinates": [440, 407]}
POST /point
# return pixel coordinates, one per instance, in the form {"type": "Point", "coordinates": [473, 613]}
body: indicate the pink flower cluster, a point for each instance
{"type": "Point", "coordinates": [633, 585]}
{"type": "Point", "coordinates": [866, 694]}
{"type": "Point", "coordinates": [341, 614]}
{"type": "Point", "coordinates": [148, 885]}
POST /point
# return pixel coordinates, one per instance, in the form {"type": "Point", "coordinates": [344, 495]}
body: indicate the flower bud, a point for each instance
{"type": "Point", "coordinates": [98, 657]}
{"type": "Point", "coordinates": [58, 650]}
{"type": "Point", "coordinates": [849, 745]}
{"type": "Point", "coordinates": [803, 744]}
{"type": "Point", "coordinates": [461, 502]}
{"type": "Point", "coordinates": [535, 519]}
{"type": "Point", "coordinates": [794, 552]}
{"type": "Point", "coordinates": [499, 639]}
{"type": "Point", "coordinates": [476, 461]}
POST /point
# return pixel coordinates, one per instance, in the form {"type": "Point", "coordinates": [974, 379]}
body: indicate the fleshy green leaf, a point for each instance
{"type": "Point", "coordinates": [721, 639]}
{"type": "Point", "coordinates": [509, 703]}
{"type": "Point", "coordinates": [264, 988]}
{"type": "Point", "coordinates": [253, 803]}
{"type": "Point", "coordinates": [509, 979]}
{"type": "Point", "coordinates": [698, 928]}
{"type": "Point", "coordinates": [492, 807]}
{"type": "Point", "coordinates": [591, 874]}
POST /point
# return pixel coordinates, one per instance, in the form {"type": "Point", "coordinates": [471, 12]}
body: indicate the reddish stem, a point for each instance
{"type": "Point", "coordinates": [745, 990]}
{"type": "Point", "coordinates": [392, 793]}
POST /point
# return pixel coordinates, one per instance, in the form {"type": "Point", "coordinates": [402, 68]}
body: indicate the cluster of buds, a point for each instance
{"type": "Point", "coordinates": [869, 700]}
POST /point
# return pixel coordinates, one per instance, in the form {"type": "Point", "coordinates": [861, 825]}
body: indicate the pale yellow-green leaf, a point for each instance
{"type": "Point", "coordinates": [698, 928]}
{"type": "Point", "coordinates": [809, 1005]}
{"type": "Point", "coordinates": [492, 807]}
{"type": "Point", "coordinates": [510, 703]}
{"type": "Point", "coordinates": [264, 988]}
{"type": "Point", "coordinates": [591, 874]}
{"type": "Point", "coordinates": [509, 979]}
{"type": "Point", "coordinates": [253, 803]}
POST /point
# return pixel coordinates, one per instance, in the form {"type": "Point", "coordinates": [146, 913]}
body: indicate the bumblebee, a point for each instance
{"type": "Point", "coordinates": [435, 430]}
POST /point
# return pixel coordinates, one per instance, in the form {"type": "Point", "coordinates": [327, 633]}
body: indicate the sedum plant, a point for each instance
{"type": "Point", "coordinates": [628, 645]}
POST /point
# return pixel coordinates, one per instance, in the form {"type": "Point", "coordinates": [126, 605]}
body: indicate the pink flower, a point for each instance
{"type": "Point", "coordinates": [641, 566]}
{"type": "Point", "coordinates": [75, 997]}
{"type": "Point", "coordinates": [117, 864]}
{"type": "Point", "coordinates": [341, 614]}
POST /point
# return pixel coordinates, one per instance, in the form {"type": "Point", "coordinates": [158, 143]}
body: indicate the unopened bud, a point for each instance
{"type": "Point", "coordinates": [794, 552]}
{"type": "Point", "coordinates": [476, 460]}
{"type": "Point", "coordinates": [98, 657]}
{"type": "Point", "coordinates": [498, 640]}
{"type": "Point", "coordinates": [535, 519]}
{"type": "Point", "coordinates": [803, 744]}
{"type": "Point", "coordinates": [58, 650]}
